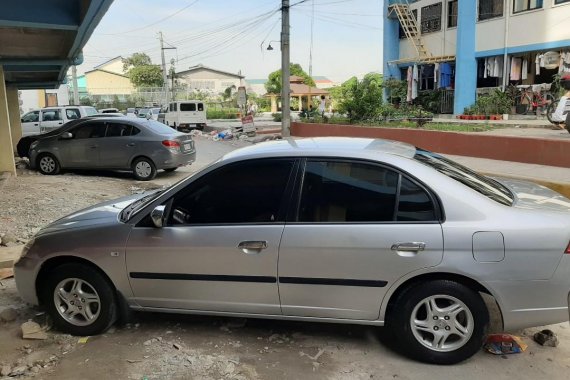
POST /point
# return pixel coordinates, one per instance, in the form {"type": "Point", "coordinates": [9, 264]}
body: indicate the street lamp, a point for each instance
{"type": "Point", "coordinates": [271, 47]}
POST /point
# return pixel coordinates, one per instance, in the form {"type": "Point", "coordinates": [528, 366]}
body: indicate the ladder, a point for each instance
{"type": "Point", "coordinates": [411, 29]}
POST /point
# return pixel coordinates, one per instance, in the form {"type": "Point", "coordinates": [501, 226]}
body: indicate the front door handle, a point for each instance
{"type": "Point", "coordinates": [252, 247]}
{"type": "Point", "coordinates": [409, 247]}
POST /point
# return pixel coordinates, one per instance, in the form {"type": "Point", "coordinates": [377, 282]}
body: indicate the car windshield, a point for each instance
{"type": "Point", "coordinates": [143, 111]}
{"type": "Point", "coordinates": [156, 110]}
{"type": "Point", "coordinates": [159, 128]}
{"type": "Point", "coordinates": [480, 183]}
{"type": "Point", "coordinates": [90, 111]}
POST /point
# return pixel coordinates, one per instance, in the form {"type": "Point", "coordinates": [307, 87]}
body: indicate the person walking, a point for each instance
{"type": "Point", "coordinates": [559, 117]}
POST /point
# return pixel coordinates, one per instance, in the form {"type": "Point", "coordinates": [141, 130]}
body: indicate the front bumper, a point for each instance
{"type": "Point", "coordinates": [25, 275]}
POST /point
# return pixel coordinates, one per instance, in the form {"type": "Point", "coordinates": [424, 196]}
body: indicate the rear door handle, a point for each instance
{"type": "Point", "coordinates": [251, 247]}
{"type": "Point", "coordinates": [409, 247]}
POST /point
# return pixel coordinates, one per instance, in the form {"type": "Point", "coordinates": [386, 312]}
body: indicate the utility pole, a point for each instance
{"type": "Point", "coordinates": [75, 89]}
{"type": "Point", "coordinates": [285, 72]}
{"type": "Point", "coordinates": [164, 72]}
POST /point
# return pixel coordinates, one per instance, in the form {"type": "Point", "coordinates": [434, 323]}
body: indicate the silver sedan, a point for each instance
{"type": "Point", "coordinates": [328, 229]}
{"type": "Point", "coordinates": [113, 143]}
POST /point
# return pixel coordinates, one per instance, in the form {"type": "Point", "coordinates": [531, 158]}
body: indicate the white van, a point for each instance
{"type": "Point", "coordinates": [50, 118]}
{"type": "Point", "coordinates": [184, 115]}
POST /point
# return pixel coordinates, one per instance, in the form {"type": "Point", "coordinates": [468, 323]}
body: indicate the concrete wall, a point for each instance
{"type": "Point", "coordinates": [507, 148]}
{"type": "Point", "coordinates": [115, 66]}
{"type": "Point", "coordinates": [34, 99]}
{"type": "Point", "coordinates": [203, 79]}
{"type": "Point", "coordinates": [102, 83]}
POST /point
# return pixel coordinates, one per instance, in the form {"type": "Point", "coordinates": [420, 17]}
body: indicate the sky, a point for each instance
{"type": "Point", "coordinates": [232, 35]}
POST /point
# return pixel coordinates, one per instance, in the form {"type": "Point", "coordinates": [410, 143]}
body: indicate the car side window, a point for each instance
{"type": "Point", "coordinates": [200, 106]}
{"type": "Point", "coordinates": [188, 107]}
{"type": "Point", "coordinates": [51, 115]}
{"type": "Point", "coordinates": [89, 131]}
{"type": "Point", "coordinates": [72, 114]}
{"type": "Point", "coordinates": [414, 203]}
{"type": "Point", "coordinates": [31, 117]}
{"type": "Point", "coordinates": [118, 130]}
{"type": "Point", "coordinates": [336, 191]}
{"type": "Point", "coordinates": [135, 131]}
{"type": "Point", "coordinates": [245, 192]}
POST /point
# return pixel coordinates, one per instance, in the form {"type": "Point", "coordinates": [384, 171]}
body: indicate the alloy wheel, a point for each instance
{"type": "Point", "coordinates": [77, 302]}
{"type": "Point", "coordinates": [47, 164]}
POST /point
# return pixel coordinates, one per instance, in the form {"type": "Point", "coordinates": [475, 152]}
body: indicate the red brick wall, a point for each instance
{"type": "Point", "coordinates": [519, 149]}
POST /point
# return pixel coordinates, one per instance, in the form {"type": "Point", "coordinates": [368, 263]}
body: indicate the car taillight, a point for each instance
{"type": "Point", "coordinates": [171, 144]}
{"type": "Point", "coordinates": [567, 249]}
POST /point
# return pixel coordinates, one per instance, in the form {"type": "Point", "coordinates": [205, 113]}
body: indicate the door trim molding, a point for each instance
{"type": "Point", "coordinates": [333, 281]}
{"type": "Point", "coordinates": [202, 277]}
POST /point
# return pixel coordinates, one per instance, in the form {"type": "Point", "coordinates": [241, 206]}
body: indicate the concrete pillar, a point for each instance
{"type": "Point", "coordinates": [466, 63]}
{"type": "Point", "coordinates": [14, 114]}
{"type": "Point", "coordinates": [273, 104]}
{"type": "Point", "coordinates": [7, 163]}
{"type": "Point", "coordinates": [300, 103]}
{"type": "Point", "coordinates": [391, 49]}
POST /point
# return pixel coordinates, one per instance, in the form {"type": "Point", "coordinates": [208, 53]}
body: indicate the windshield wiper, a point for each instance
{"type": "Point", "coordinates": [134, 206]}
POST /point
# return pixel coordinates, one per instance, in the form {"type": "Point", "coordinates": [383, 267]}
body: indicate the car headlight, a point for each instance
{"type": "Point", "coordinates": [34, 144]}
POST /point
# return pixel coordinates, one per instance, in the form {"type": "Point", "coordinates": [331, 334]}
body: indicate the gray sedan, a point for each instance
{"type": "Point", "coordinates": [114, 143]}
{"type": "Point", "coordinates": [336, 230]}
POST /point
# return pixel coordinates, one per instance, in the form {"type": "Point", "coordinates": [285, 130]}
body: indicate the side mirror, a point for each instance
{"type": "Point", "coordinates": [66, 136]}
{"type": "Point", "coordinates": [148, 116]}
{"type": "Point", "coordinates": [157, 216]}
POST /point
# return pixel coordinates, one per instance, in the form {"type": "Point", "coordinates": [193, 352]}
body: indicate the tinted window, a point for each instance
{"type": "Point", "coordinates": [247, 192]}
{"type": "Point", "coordinates": [72, 114]}
{"type": "Point", "coordinates": [89, 131]}
{"type": "Point", "coordinates": [200, 106]}
{"type": "Point", "coordinates": [135, 131]}
{"type": "Point", "coordinates": [347, 192]}
{"type": "Point", "coordinates": [160, 128]}
{"type": "Point", "coordinates": [51, 115]}
{"type": "Point", "coordinates": [187, 107]}
{"type": "Point", "coordinates": [414, 203]}
{"type": "Point", "coordinates": [484, 185]}
{"type": "Point", "coordinates": [31, 117]}
{"type": "Point", "coordinates": [118, 130]}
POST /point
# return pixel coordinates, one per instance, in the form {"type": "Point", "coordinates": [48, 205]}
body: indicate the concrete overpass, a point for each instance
{"type": "Point", "coordinates": [39, 41]}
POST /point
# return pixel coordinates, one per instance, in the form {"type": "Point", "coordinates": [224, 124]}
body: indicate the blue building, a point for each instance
{"type": "Point", "coordinates": [485, 44]}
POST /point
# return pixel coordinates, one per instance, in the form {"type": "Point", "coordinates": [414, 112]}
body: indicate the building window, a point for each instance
{"type": "Point", "coordinates": [526, 5]}
{"type": "Point", "coordinates": [431, 18]}
{"type": "Point", "coordinates": [561, 1]}
{"type": "Point", "coordinates": [452, 8]}
{"type": "Point", "coordinates": [402, 33]}
{"type": "Point", "coordinates": [490, 9]}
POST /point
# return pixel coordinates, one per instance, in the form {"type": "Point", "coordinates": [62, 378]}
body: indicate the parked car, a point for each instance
{"type": "Point", "coordinates": [114, 143]}
{"type": "Point", "coordinates": [131, 112]}
{"type": "Point", "coordinates": [153, 113]}
{"type": "Point", "coordinates": [142, 112]}
{"type": "Point", "coordinates": [49, 118]}
{"type": "Point", "coordinates": [108, 114]}
{"type": "Point", "coordinates": [184, 115]}
{"type": "Point", "coordinates": [328, 229]}
{"type": "Point", "coordinates": [109, 110]}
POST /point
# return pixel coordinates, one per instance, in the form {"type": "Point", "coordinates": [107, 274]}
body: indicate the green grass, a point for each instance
{"type": "Point", "coordinates": [227, 113]}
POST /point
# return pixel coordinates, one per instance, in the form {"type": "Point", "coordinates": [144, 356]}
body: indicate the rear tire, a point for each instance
{"type": "Point", "coordinates": [144, 169]}
{"type": "Point", "coordinates": [80, 300]}
{"type": "Point", "coordinates": [47, 164]}
{"type": "Point", "coordinates": [439, 322]}
{"type": "Point", "coordinates": [523, 104]}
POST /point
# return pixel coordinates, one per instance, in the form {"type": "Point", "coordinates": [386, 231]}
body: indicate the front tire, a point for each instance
{"type": "Point", "coordinates": [79, 299]}
{"type": "Point", "coordinates": [47, 164]}
{"type": "Point", "coordinates": [144, 169]}
{"type": "Point", "coordinates": [439, 322]}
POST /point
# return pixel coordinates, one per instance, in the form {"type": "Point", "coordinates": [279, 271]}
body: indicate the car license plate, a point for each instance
{"type": "Point", "coordinates": [187, 146]}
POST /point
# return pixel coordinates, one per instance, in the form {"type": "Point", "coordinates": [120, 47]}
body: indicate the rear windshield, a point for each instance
{"type": "Point", "coordinates": [187, 106]}
{"type": "Point", "coordinates": [159, 128]}
{"type": "Point", "coordinates": [90, 111]}
{"type": "Point", "coordinates": [484, 185]}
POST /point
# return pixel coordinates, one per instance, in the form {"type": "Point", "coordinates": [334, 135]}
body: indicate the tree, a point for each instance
{"type": "Point", "coordinates": [141, 71]}
{"type": "Point", "coordinates": [273, 85]}
{"type": "Point", "coordinates": [362, 100]}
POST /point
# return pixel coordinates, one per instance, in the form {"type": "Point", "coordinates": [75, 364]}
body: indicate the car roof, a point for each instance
{"type": "Point", "coordinates": [337, 146]}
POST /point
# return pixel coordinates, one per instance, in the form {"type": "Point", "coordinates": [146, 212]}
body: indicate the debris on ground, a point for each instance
{"type": "Point", "coordinates": [83, 340]}
{"type": "Point", "coordinates": [8, 315]}
{"type": "Point", "coordinates": [546, 338]}
{"type": "Point", "coordinates": [502, 344]}
{"type": "Point", "coordinates": [31, 330]}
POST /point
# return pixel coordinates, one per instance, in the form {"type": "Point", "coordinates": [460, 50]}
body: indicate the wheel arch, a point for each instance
{"type": "Point", "coordinates": [136, 157]}
{"type": "Point", "coordinates": [388, 306]}
{"type": "Point", "coordinates": [49, 265]}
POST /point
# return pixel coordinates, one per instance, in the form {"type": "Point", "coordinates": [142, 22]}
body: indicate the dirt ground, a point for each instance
{"type": "Point", "coordinates": [159, 346]}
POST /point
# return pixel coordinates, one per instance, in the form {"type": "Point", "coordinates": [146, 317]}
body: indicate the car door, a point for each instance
{"type": "Point", "coordinates": [219, 248]}
{"type": "Point", "coordinates": [31, 123]}
{"type": "Point", "coordinates": [118, 147]}
{"type": "Point", "coordinates": [82, 150]}
{"type": "Point", "coordinates": [51, 119]}
{"type": "Point", "coordinates": [358, 228]}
